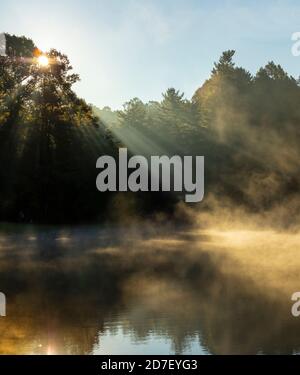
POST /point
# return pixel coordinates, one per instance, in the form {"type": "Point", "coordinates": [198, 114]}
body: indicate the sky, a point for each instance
{"type": "Point", "coordinates": [138, 48]}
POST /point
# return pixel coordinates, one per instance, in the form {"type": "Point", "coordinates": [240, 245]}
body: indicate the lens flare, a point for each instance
{"type": "Point", "coordinates": [43, 61]}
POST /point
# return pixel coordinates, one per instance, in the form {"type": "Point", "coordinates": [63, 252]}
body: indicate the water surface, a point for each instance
{"type": "Point", "coordinates": [135, 290]}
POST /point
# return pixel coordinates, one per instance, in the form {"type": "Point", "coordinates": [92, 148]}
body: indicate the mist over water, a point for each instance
{"type": "Point", "coordinates": [141, 289]}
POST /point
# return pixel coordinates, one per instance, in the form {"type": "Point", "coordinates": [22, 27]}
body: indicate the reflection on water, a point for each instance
{"type": "Point", "coordinates": [92, 290]}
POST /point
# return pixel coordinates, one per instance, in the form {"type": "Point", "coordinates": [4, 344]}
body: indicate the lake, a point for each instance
{"type": "Point", "coordinates": [148, 290]}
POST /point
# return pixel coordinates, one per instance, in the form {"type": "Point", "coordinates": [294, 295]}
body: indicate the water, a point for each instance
{"type": "Point", "coordinates": [121, 290]}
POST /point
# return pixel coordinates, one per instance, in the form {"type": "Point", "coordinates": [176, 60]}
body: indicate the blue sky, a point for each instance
{"type": "Point", "coordinates": [138, 48]}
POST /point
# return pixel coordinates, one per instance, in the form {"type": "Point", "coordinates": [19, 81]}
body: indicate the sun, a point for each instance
{"type": "Point", "coordinates": [43, 60]}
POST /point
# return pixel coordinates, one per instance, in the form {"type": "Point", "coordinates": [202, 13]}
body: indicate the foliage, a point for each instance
{"type": "Point", "coordinates": [246, 126]}
{"type": "Point", "coordinates": [49, 140]}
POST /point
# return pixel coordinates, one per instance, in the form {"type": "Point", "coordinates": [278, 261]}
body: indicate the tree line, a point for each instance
{"type": "Point", "coordinates": [246, 126]}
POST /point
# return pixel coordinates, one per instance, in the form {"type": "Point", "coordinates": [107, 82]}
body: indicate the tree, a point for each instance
{"type": "Point", "coordinates": [133, 114]}
{"type": "Point", "coordinates": [50, 140]}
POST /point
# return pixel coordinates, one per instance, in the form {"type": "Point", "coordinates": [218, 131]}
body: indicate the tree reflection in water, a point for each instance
{"type": "Point", "coordinates": [202, 292]}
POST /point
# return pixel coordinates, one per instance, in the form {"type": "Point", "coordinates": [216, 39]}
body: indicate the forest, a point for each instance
{"type": "Point", "coordinates": [245, 125]}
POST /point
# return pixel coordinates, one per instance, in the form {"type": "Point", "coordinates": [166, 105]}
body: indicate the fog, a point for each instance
{"type": "Point", "coordinates": [203, 289]}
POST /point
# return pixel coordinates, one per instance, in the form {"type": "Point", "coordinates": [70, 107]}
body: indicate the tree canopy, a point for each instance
{"type": "Point", "coordinates": [49, 139]}
{"type": "Point", "coordinates": [245, 125]}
